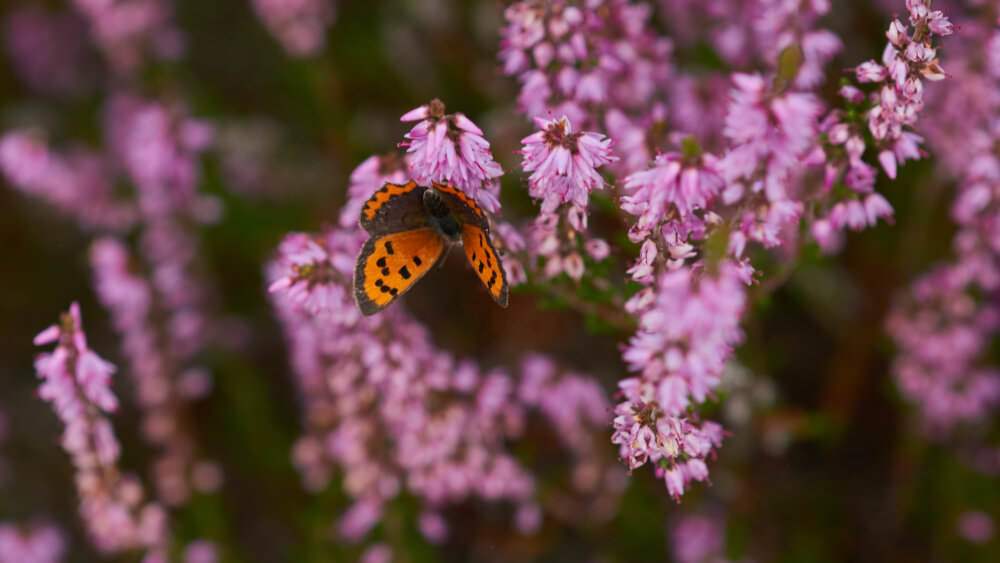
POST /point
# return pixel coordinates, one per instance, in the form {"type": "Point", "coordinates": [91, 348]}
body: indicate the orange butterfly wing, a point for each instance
{"type": "Point", "coordinates": [394, 208]}
{"type": "Point", "coordinates": [483, 257]}
{"type": "Point", "coordinates": [389, 265]}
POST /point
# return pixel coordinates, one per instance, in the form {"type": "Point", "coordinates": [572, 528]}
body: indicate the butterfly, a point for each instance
{"type": "Point", "coordinates": [410, 228]}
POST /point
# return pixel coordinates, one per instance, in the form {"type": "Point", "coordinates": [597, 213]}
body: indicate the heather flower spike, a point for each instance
{"type": "Point", "coordinates": [450, 149]}
{"type": "Point", "coordinates": [76, 382]}
{"type": "Point", "coordinates": [563, 163]}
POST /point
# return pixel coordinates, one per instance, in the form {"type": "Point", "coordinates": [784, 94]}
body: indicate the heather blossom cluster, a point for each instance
{"type": "Point", "coordinates": [563, 166]}
{"type": "Point", "coordinates": [451, 149]}
{"type": "Point", "coordinates": [76, 382]}
{"type": "Point", "coordinates": [945, 322]}
{"type": "Point", "coordinates": [696, 210]}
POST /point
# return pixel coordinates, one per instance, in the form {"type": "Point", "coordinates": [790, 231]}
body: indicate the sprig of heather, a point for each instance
{"type": "Point", "coordinates": [451, 149]}
{"type": "Point", "coordinates": [131, 32]}
{"type": "Point", "coordinates": [76, 182]}
{"type": "Point", "coordinates": [49, 51]}
{"type": "Point", "coordinates": [581, 59]}
{"type": "Point", "coordinates": [688, 326]}
{"type": "Point", "coordinates": [698, 538]}
{"type": "Point", "coordinates": [164, 385]}
{"type": "Point", "coordinates": [563, 164]}
{"type": "Point", "coordinates": [745, 33]}
{"type": "Point", "coordinates": [76, 382]}
{"type": "Point", "coordinates": [944, 323]}
{"type": "Point", "coordinates": [886, 116]}
{"type": "Point", "coordinates": [392, 412]}
{"type": "Point", "coordinates": [40, 543]}
{"type": "Point", "coordinates": [160, 304]}
{"type": "Point", "coordinates": [299, 25]}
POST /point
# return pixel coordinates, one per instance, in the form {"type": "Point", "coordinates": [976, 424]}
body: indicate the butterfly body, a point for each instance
{"type": "Point", "coordinates": [440, 216]}
{"type": "Point", "coordinates": [410, 227]}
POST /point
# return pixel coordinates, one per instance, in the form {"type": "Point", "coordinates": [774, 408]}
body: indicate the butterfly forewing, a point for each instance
{"type": "Point", "coordinates": [389, 265]}
{"type": "Point", "coordinates": [485, 262]}
{"type": "Point", "coordinates": [394, 208]}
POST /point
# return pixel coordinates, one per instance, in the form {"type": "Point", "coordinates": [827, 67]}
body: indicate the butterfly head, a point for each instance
{"type": "Point", "coordinates": [441, 216]}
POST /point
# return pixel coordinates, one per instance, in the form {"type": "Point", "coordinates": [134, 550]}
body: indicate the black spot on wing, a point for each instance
{"type": "Point", "coordinates": [481, 267]}
{"type": "Point", "coordinates": [405, 273]}
{"type": "Point", "coordinates": [417, 260]}
{"type": "Point", "coordinates": [381, 262]}
{"type": "Point", "coordinates": [493, 280]}
{"type": "Point", "coordinates": [388, 247]}
{"type": "Point", "coordinates": [385, 271]}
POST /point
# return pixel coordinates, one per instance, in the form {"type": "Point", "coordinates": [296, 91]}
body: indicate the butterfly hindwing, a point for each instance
{"type": "Point", "coordinates": [463, 206]}
{"type": "Point", "coordinates": [394, 208]}
{"type": "Point", "coordinates": [390, 264]}
{"type": "Point", "coordinates": [485, 262]}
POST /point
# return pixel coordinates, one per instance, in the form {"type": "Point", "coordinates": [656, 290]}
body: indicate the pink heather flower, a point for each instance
{"type": "Point", "coordinates": [31, 544]}
{"type": "Point", "coordinates": [942, 335]}
{"type": "Point", "coordinates": [76, 182]}
{"type": "Point", "coordinates": [87, 374]}
{"type": "Point", "coordinates": [688, 332]}
{"type": "Point", "coordinates": [359, 519]}
{"type": "Point", "coordinates": [673, 185]}
{"type": "Point", "coordinates": [450, 149]}
{"type": "Point", "coordinates": [818, 48]}
{"type": "Point", "coordinates": [433, 527]}
{"type": "Point", "coordinates": [159, 390]}
{"type": "Point", "coordinates": [546, 45]}
{"type": "Point", "coordinates": [201, 551]}
{"type": "Point", "coordinates": [563, 164]}
{"type": "Point", "coordinates": [75, 382]}
{"type": "Point", "coordinates": [316, 274]}
{"type": "Point", "coordinates": [870, 71]}
{"type": "Point", "coordinates": [975, 526]}
{"type": "Point", "coordinates": [377, 553]}
{"type": "Point", "coordinates": [300, 25]}
{"type": "Point", "coordinates": [130, 32]}
{"type": "Point", "coordinates": [409, 416]}
{"type": "Point", "coordinates": [49, 51]}
{"type": "Point", "coordinates": [697, 539]}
